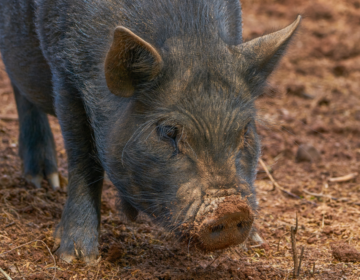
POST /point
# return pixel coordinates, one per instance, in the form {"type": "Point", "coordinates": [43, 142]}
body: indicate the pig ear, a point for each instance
{"type": "Point", "coordinates": [230, 25]}
{"type": "Point", "coordinates": [130, 62]}
{"type": "Point", "coordinates": [260, 56]}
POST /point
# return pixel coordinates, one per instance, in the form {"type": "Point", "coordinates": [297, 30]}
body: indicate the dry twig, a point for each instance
{"type": "Point", "coordinates": [343, 179]}
{"type": "Point", "coordinates": [342, 199]}
{"type": "Point", "coordinates": [313, 269]}
{"type": "Point", "coordinates": [34, 241]}
{"type": "Point", "coordinates": [18, 270]}
{"type": "Point", "coordinates": [319, 195]}
{"type": "Point", "coordinates": [213, 261]}
{"type": "Point", "coordinates": [297, 261]}
{"type": "Point", "coordinates": [9, 225]}
{"type": "Point", "coordinates": [5, 274]}
{"type": "Point", "coordinates": [300, 260]}
{"type": "Point", "coordinates": [9, 117]}
{"type": "Point", "coordinates": [97, 273]}
{"type": "Point", "coordinates": [278, 245]}
{"type": "Point", "coordinates": [293, 245]}
{"type": "Point", "coordinates": [269, 175]}
{"type": "Point", "coordinates": [276, 185]}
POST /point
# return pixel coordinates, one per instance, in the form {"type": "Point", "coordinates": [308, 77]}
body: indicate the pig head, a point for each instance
{"type": "Point", "coordinates": [191, 161]}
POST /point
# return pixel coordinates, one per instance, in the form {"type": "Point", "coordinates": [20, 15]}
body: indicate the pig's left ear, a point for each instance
{"type": "Point", "coordinates": [130, 62]}
{"type": "Point", "coordinates": [260, 56]}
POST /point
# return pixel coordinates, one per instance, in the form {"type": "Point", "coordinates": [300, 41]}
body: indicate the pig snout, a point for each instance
{"type": "Point", "coordinates": [224, 222]}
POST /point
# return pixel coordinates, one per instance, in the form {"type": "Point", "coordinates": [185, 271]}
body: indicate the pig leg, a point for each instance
{"type": "Point", "coordinates": [77, 234]}
{"type": "Point", "coordinates": [36, 143]}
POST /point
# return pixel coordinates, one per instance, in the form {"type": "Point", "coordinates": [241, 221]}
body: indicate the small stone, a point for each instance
{"type": "Point", "coordinates": [298, 90]}
{"type": "Point", "coordinates": [312, 240]}
{"type": "Point", "coordinates": [327, 230]}
{"type": "Point", "coordinates": [340, 71]}
{"type": "Point", "coordinates": [307, 153]}
{"type": "Point", "coordinates": [265, 246]}
{"type": "Point", "coordinates": [297, 191]}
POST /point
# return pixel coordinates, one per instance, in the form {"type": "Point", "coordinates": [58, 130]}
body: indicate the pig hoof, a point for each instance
{"type": "Point", "coordinates": [54, 180]}
{"type": "Point", "coordinates": [256, 238]}
{"type": "Point", "coordinates": [89, 260]}
{"type": "Point", "coordinates": [67, 258]}
{"type": "Point", "coordinates": [72, 253]}
{"type": "Point", "coordinates": [35, 180]}
{"type": "Point", "coordinates": [69, 250]}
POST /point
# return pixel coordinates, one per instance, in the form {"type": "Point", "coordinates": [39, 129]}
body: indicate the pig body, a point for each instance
{"type": "Point", "coordinates": [159, 94]}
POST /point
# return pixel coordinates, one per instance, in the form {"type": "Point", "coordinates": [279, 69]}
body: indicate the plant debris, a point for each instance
{"type": "Point", "coordinates": [328, 210]}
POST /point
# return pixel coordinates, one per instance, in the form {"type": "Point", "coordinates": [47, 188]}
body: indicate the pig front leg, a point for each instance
{"type": "Point", "coordinates": [77, 234]}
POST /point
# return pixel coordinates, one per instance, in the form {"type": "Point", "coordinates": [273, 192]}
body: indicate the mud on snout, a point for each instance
{"type": "Point", "coordinates": [221, 222]}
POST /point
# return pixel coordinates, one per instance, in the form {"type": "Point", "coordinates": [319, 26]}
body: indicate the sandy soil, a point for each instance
{"type": "Point", "coordinates": [313, 99]}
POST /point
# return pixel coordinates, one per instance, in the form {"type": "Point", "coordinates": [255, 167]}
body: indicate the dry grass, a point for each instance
{"type": "Point", "coordinates": [325, 60]}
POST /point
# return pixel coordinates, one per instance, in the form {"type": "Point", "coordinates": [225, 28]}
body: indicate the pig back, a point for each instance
{"type": "Point", "coordinates": [77, 34]}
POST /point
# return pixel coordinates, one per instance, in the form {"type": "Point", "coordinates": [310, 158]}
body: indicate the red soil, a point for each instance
{"type": "Point", "coordinates": [313, 99]}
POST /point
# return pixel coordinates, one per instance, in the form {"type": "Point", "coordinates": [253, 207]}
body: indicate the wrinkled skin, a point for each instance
{"type": "Point", "coordinates": [159, 94]}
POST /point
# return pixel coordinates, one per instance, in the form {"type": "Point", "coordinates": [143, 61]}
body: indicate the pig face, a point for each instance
{"type": "Point", "coordinates": [187, 148]}
{"type": "Point", "coordinates": [193, 171]}
{"type": "Point", "coordinates": [191, 158]}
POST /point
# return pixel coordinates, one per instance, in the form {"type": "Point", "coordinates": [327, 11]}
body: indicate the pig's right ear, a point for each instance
{"type": "Point", "coordinates": [130, 62]}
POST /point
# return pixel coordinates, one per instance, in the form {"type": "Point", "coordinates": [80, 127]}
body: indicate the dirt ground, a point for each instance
{"type": "Point", "coordinates": [313, 99]}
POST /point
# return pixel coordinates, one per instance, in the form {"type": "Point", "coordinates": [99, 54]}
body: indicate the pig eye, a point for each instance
{"type": "Point", "coordinates": [168, 133]}
{"type": "Point", "coordinates": [246, 129]}
{"type": "Point", "coordinates": [171, 132]}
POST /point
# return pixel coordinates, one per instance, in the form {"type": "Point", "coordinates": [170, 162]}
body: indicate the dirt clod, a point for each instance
{"type": "Point", "coordinates": [318, 11]}
{"type": "Point", "coordinates": [312, 240]}
{"type": "Point", "coordinates": [328, 230]}
{"type": "Point", "coordinates": [323, 61]}
{"type": "Point", "coordinates": [297, 191]}
{"type": "Point", "coordinates": [345, 253]}
{"type": "Point", "coordinates": [115, 253]}
{"type": "Point", "coordinates": [340, 70]}
{"type": "Point", "coordinates": [298, 90]}
{"type": "Point", "coordinates": [265, 246]}
{"type": "Point", "coordinates": [307, 153]}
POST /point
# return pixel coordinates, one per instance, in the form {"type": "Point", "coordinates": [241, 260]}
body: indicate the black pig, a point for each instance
{"type": "Point", "coordinates": [157, 93]}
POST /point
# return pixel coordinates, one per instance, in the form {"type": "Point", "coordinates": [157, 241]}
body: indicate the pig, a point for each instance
{"type": "Point", "coordinates": [159, 94]}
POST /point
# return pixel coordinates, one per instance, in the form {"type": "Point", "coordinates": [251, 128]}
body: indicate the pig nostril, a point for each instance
{"type": "Point", "coordinates": [217, 228]}
{"type": "Point", "coordinates": [230, 224]}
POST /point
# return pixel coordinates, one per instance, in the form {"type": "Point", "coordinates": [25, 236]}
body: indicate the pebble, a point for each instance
{"type": "Point", "coordinates": [307, 153]}
{"type": "Point", "coordinates": [312, 240]}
